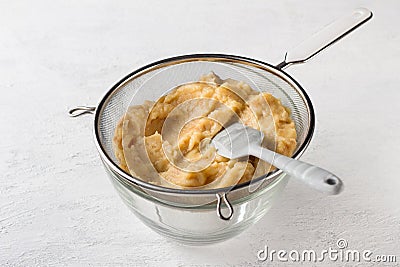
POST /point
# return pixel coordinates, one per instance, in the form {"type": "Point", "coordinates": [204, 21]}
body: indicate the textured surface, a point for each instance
{"type": "Point", "coordinates": [57, 206]}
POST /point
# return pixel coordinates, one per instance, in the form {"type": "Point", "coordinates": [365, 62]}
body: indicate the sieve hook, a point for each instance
{"type": "Point", "coordinates": [219, 207]}
{"type": "Point", "coordinates": [81, 110]}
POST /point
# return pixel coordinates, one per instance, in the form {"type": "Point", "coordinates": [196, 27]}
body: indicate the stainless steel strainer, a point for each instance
{"type": "Point", "coordinates": [151, 81]}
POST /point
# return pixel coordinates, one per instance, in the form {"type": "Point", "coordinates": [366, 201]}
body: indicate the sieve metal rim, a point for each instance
{"type": "Point", "coordinates": [201, 57]}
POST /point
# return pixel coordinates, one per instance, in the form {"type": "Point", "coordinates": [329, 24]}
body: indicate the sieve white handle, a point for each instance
{"type": "Point", "coordinates": [326, 37]}
{"type": "Point", "coordinates": [316, 177]}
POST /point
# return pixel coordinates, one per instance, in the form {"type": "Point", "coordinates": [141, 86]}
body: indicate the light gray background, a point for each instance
{"type": "Point", "coordinates": [57, 206]}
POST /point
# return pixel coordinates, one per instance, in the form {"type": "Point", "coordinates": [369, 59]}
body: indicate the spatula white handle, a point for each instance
{"type": "Point", "coordinates": [326, 37]}
{"type": "Point", "coordinates": [316, 177]}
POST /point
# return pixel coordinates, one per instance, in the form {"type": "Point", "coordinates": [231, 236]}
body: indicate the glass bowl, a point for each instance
{"type": "Point", "coordinates": [198, 225]}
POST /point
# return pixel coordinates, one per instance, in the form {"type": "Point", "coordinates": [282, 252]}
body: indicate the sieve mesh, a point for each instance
{"type": "Point", "coordinates": [152, 81]}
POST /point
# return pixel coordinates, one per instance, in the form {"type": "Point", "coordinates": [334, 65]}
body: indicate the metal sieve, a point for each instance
{"type": "Point", "coordinates": [151, 81]}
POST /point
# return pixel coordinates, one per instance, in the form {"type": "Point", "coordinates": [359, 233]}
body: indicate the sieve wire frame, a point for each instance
{"type": "Point", "coordinates": [282, 75]}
